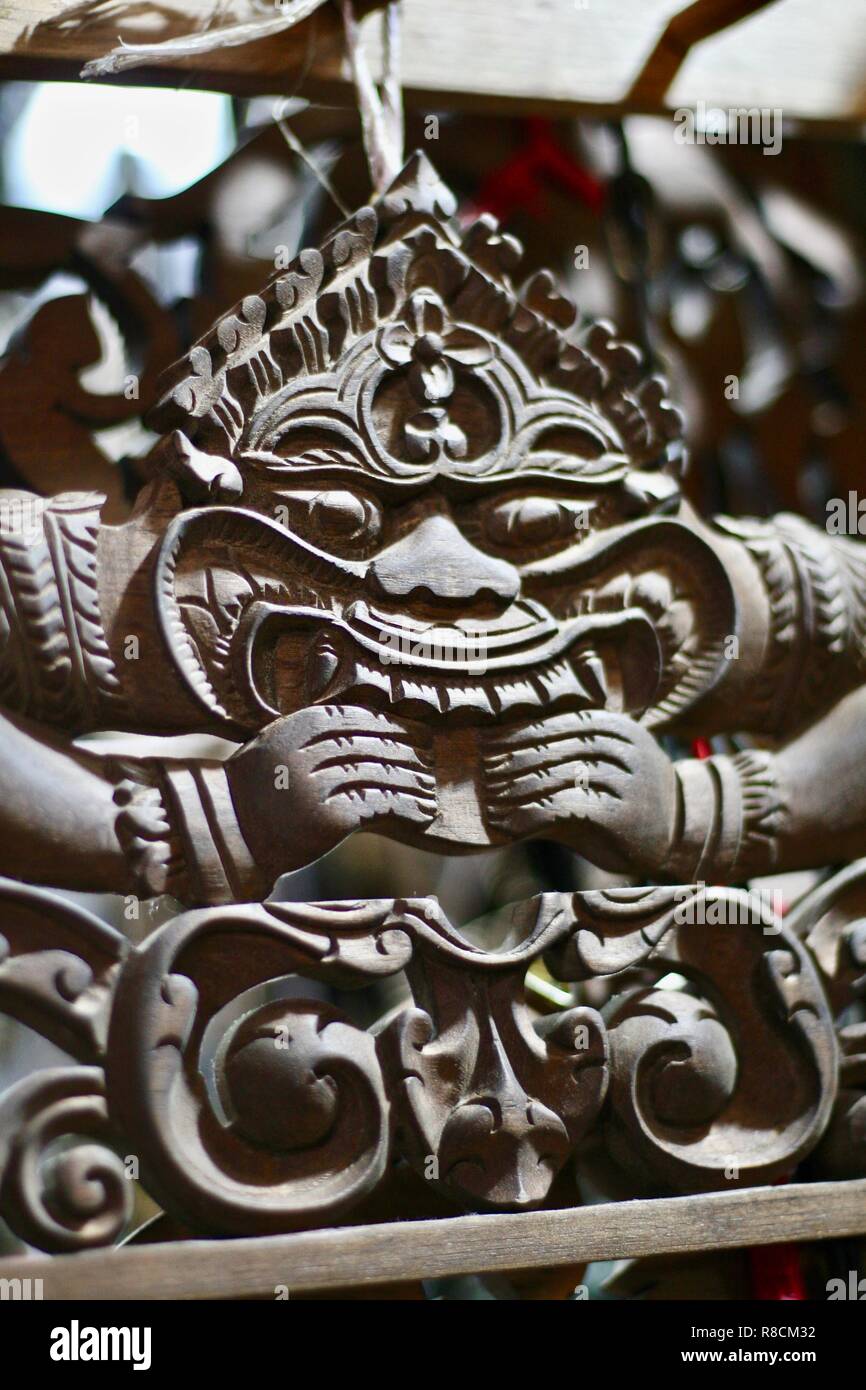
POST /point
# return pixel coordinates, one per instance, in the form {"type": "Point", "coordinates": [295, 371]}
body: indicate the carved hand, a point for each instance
{"type": "Point", "coordinates": [596, 780]}
{"type": "Point", "coordinates": [310, 779]}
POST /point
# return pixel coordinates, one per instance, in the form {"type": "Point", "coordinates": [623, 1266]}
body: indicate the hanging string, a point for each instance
{"type": "Point", "coordinates": [392, 90]}
{"type": "Point", "coordinates": [303, 153]}
{"type": "Point", "coordinates": [381, 112]}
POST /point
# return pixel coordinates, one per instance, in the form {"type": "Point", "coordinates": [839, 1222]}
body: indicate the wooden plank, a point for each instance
{"type": "Point", "coordinates": [563, 56]}
{"type": "Point", "coordinates": [696, 22]}
{"type": "Point", "coordinates": [52, 39]}
{"type": "Point", "coordinates": [332, 1259]}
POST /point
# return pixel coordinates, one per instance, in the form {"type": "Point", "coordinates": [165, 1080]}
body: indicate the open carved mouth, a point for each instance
{"type": "Point", "coordinates": [665, 570]}
{"type": "Point", "coordinates": [264, 625]}
{"type": "Point", "coordinates": [465, 672]}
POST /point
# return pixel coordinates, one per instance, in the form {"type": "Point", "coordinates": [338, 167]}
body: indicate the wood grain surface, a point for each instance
{"type": "Point", "coordinates": [331, 1259]}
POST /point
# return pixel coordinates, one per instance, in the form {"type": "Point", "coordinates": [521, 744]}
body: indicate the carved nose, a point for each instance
{"type": "Point", "coordinates": [435, 564]}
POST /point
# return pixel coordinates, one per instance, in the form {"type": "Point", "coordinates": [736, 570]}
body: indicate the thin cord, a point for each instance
{"type": "Point", "coordinates": [206, 40]}
{"type": "Point", "coordinates": [297, 148]}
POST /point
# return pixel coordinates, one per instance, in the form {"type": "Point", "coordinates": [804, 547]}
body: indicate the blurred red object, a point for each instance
{"type": "Point", "coordinates": [519, 183]}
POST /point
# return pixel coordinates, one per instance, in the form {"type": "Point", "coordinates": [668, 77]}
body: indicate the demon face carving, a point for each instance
{"type": "Point", "coordinates": [446, 505]}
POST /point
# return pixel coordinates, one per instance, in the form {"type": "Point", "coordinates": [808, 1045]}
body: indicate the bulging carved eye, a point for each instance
{"type": "Point", "coordinates": [345, 514]}
{"type": "Point", "coordinates": [535, 521]}
{"type": "Point", "coordinates": [331, 515]}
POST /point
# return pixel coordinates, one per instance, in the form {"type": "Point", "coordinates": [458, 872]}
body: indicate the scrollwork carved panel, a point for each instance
{"type": "Point", "coordinates": [254, 1114]}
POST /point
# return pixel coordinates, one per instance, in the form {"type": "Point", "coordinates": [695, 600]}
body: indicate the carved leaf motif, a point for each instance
{"type": "Point", "coordinates": [57, 666]}
{"type": "Point", "coordinates": [617, 929]}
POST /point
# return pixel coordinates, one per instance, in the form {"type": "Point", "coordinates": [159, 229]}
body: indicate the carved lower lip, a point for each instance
{"type": "Point", "coordinates": [534, 664]}
{"type": "Point", "coordinates": [507, 649]}
{"type": "Point", "coordinates": [579, 667]}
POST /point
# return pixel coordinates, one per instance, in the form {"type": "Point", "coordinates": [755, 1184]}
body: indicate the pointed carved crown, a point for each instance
{"type": "Point", "coordinates": [402, 348]}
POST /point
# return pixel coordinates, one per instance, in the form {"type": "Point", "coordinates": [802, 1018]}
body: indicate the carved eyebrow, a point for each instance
{"type": "Point", "coordinates": [456, 484]}
{"type": "Point", "coordinates": [289, 476]}
{"type": "Point", "coordinates": [545, 480]}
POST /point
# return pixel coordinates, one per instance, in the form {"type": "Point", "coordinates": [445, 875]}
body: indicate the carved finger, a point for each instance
{"type": "Point", "coordinates": [371, 772]}
{"type": "Point", "coordinates": [353, 722]}
{"type": "Point", "coordinates": [416, 809]}
{"type": "Point", "coordinates": [534, 736]}
{"type": "Point", "coordinates": [370, 801]}
{"type": "Point", "coordinates": [371, 776]}
{"type": "Point", "coordinates": [577, 749]}
{"type": "Point", "coordinates": [541, 731]}
{"type": "Point", "coordinates": [385, 755]}
{"type": "Point", "coordinates": [562, 793]}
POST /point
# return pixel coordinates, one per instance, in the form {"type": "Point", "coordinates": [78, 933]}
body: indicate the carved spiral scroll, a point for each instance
{"type": "Point", "coordinates": [264, 1112]}
{"type": "Point", "coordinates": [832, 922]}
{"type": "Point", "coordinates": [735, 1083]}
{"type": "Point", "coordinates": [305, 1128]}
{"type": "Point", "coordinates": [615, 929]}
{"type": "Point", "coordinates": [74, 1198]}
{"type": "Point", "coordinates": [57, 967]}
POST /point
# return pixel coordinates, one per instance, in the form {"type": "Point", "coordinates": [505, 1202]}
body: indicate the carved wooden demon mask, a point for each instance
{"type": "Point", "coordinates": [445, 501]}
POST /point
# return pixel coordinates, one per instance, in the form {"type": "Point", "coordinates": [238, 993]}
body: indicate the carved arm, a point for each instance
{"type": "Point", "coordinates": [802, 807]}
{"type": "Point", "coordinates": [73, 819]}
{"type": "Point", "coordinates": [801, 596]}
{"type": "Point", "coordinates": [206, 831]}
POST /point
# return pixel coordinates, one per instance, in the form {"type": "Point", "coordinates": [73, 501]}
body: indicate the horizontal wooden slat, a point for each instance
{"type": "Point", "coordinates": [563, 55]}
{"type": "Point", "coordinates": [332, 1259]}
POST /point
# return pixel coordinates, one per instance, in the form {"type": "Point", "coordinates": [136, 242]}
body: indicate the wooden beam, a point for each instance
{"type": "Point", "coordinates": [690, 26]}
{"type": "Point", "coordinates": [564, 56]}
{"type": "Point", "coordinates": [370, 1255]}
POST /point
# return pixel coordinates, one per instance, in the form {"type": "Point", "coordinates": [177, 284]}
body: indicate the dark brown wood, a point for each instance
{"type": "Point", "coordinates": [731, 1084]}
{"type": "Point", "coordinates": [418, 543]}
{"type": "Point", "coordinates": [415, 542]}
{"type": "Point", "coordinates": [462, 1245]}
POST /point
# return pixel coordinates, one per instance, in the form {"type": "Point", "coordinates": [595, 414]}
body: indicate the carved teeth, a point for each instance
{"type": "Point", "coordinates": [653, 592]}
{"type": "Point", "coordinates": [560, 682]}
{"type": "Point", "coordinates": [678, 621]}
{"type": "Point", "coordinates": [321, 669]}
{"type": "Point", "coordinates": [370, 675]}
{"type": "Point", "coordinates": [613, 595]}
{"type": "Point", "coordinates": [573, 681]}
{"type": "Point", "coordinates": [512, 693]}
{"type": "Point", "coordinates": [468, 697]}
{"type": "Point", "coordinates": [419, 693]}
{"type": "Point", "coordinates": [592, 672]}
